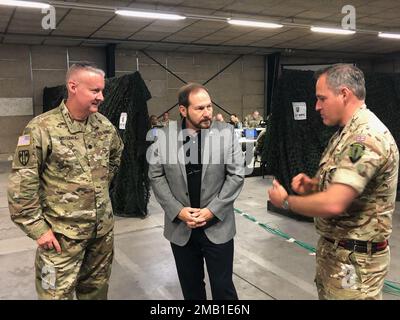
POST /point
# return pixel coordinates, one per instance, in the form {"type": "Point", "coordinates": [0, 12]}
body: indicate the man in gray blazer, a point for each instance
{"type": "Point", "coordinates": [197, 172]}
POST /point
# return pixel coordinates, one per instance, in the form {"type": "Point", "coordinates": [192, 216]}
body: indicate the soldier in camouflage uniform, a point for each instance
{"type": "Point", "coordinates": [353, 194]}
{"type": "Point", "coordinates": [252, 120]}
{"type": "Point", "coordinates": [58, 190]}
{"type": "Point", "coordinates": [165, 119]}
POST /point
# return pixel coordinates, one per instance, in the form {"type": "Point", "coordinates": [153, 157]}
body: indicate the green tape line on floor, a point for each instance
{"type": "Point", "coordinates": [389, 286]}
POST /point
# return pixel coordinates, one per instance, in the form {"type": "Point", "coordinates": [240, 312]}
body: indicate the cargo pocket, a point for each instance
{"type": "Point", "coordinates": [371, 270]}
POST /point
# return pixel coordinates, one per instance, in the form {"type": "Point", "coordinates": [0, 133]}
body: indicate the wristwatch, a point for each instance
{"type": "Point", "coordinates": [285, 204]}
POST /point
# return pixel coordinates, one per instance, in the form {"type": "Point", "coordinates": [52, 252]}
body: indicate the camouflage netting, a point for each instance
{"type": "Point", "coordinates": [130, 189]}
{"type": "Point", "coordinates": [294, 146]}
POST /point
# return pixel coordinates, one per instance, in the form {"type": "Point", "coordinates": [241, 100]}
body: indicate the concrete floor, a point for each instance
{"type": "Point", "coordinates": [266, 266]}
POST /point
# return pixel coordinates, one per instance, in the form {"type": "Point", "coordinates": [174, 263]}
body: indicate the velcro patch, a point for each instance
{"type": "Point", "coordinates": [23, 157]}
{"type": "Point", "coordinates": [356, 152]}
{"type": "Point", "coordinates": [360, 138]}
{"type": "Point", "coordinates": [24, 140]}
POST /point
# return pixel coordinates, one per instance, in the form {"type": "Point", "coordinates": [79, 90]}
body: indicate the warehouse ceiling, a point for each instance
{"type": "Point", "coordinates": [94, 23]}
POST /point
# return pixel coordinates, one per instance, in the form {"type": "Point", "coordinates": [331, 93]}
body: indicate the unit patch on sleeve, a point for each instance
{"type": "Point", "coordinates": [356, 151]}
{"type": "Point", "coordinates": [23, 157]}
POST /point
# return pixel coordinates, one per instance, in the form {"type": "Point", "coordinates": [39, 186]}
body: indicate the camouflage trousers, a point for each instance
{"type": "Point", "coordinates": [83, 267]}
{"type": "Point", "coordinates": [347, 275]}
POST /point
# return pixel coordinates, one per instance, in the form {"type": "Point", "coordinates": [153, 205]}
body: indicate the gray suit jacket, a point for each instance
{"type": "Point", "coordinates": [222, 179]}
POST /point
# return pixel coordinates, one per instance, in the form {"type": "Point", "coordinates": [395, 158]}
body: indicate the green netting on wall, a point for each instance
{"type": "Point", "coordinates": [294, 146]}
{"type": "Point", "coordinates": [130, 190]}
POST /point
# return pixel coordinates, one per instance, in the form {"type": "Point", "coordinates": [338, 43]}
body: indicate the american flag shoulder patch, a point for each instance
{"type": "Point", "coordinates": [24, 140]}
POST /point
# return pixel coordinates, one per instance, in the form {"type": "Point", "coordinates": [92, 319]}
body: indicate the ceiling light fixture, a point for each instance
{"type": "Point", "coordinates": [149, 15]}
{"type": "Point", "coordinates": [332, 30]}
{"type": "Point", "coordinates": [257, 24]}
{"type": "Point", "coordinates": [389, 35]}
{"type": "Point", "coordinates": [25, 4]}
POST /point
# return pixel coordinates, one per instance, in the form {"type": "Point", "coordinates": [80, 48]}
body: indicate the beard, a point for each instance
{"type": "Point", "coordinates": [203, 124]}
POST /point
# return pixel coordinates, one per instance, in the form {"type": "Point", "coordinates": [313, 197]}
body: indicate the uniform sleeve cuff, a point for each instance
{"type": "Point", "coordinates": [38, 229]}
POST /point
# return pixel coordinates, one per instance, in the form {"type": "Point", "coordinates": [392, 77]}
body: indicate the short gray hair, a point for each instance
{"type": "Point", "coordinates": [342, 74]}
{"type": "Point", "coordinates": [88, 66]}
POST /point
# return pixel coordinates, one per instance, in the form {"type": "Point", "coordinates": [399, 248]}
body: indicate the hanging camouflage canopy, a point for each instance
{"type": "Point", "coordinates": [294, 146]}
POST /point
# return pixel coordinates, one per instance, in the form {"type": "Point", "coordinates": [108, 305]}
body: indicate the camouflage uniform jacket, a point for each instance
{"type": "Point", "coordinates": [164, 123]}
{"type": "Point", "coordinates": [362, 155]}
{"type": "Point", "coordinates": [61, 173]}
{"type": "Point", "coordinates": [251, 122]}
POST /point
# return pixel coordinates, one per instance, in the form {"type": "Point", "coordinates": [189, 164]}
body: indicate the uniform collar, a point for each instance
{"type": "Point", "coordinates": [354, 118]}
{"type": "Point", "coordinates": [76, 126]}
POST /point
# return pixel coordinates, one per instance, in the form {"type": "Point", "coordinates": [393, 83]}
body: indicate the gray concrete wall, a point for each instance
{"type": "Point", "coordinates": [26, 70]}
{"type": "Point", "coordinates": [15, 82]}
{"type": "Point", "coordinates": [239, 89]}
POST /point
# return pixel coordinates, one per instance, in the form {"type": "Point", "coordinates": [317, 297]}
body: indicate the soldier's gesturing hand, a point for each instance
{"type": "Point", "coordinates": [303, 184]}
{"type": "Point", "coordinates": [48, 241]}
{"type": "Point", "coordinates": [277, 194]}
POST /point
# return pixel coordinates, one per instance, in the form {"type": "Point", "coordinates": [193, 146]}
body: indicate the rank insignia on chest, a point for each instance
{"type": "Point", "coordinates": [23, 156]}
{"type": "Point", "coordinates": [356, 152]}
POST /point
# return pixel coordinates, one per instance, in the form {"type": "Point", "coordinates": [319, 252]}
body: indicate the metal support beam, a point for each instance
{"type": "Point", "coordinates": [162, 66]}
{"type": "Point", "coordinates": [185, 82]}
{"type": "Point", "coordinates": [271, 66]}
{"type": "Point", "coordinates": [110, 60]}
{"type": "Point", "coordinates": [223, 69]}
